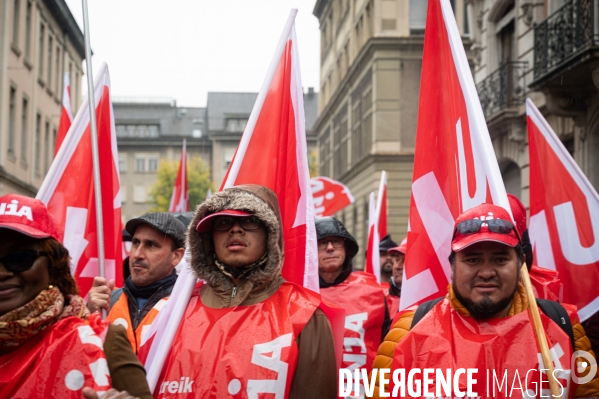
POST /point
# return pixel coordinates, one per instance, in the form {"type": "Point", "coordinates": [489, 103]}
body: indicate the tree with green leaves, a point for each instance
{"type": "Point", "coordinates": [198, 183]}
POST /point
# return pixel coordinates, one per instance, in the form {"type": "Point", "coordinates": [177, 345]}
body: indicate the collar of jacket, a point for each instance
{"type": "Point", "coordinates": [519, 303]}
{"type": "Point", "coordinates": [225, 294]}
{"type": "Point", "coordinates": [393, 288]}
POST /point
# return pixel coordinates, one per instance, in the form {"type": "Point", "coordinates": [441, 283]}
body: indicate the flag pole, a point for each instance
{"type": "Point", "coordinates": [540, 334]}
{"type": "Point", "coordinates": [94, 139]}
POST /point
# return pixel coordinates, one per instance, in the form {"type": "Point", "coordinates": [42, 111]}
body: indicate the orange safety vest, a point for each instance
{"type": "Point", "coordinates": [119, 314]}
{"type": "Point", "coordinates": [241, 352]}
{"type": "Point", "coordinates": [364, 302]}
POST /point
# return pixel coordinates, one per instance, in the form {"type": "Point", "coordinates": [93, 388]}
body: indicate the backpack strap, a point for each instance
{"type": "Point", "coordinates": [114, 296]}
{"type": "Point", "coordinates": [423, 309]}
{"type": "Point", "coordinates": [556, 312]}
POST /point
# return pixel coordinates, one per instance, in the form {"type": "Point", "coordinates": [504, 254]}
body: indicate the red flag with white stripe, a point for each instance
{"type": "Point", "coordinates": [564, 216]}
{"type": "Point", "coordinates": [329, 196]}
{"type": "Point", "coordinates": [66, 114]}
{"type": "Point", "coordinates": [273, 153]}
{"type": "Point", "coordinates": [180, 197]}
{"type": "Point", "coordinates": [373, 260]}
{"type": "Point", "coordinates": [455, 167]}
{"type": "Point", "coordinates": [381, 206]}
{"type": "Point", "coordinates": [68, 191]}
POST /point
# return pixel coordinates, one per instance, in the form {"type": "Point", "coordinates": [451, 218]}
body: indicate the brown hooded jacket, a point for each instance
{"type": "Point", "coordinates": [315, 375]}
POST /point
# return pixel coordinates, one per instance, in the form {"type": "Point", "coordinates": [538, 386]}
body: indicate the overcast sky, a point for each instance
{"type": "Point", "coordinates": [184, 48]}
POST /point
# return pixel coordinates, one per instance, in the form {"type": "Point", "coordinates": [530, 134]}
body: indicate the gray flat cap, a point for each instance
{"type": "Point", "coordinates": [163, 222]}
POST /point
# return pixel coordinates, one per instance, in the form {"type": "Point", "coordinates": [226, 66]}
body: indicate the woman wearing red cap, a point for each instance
{"type": "Point", "coordinates": [47, 348]}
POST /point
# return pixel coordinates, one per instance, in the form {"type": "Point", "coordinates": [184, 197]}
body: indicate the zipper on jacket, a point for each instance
{"type": "Point", "coordinates": [234, 292]}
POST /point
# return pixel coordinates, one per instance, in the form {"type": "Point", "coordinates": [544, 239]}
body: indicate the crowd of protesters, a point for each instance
{"type": "Point", "coordinates": [245, 326]}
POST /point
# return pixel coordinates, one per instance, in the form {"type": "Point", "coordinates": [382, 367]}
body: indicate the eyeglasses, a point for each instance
{"type": "Point", "coordinates": [224, 223]}
{"type": "Point", "coordinates": [335, 242]}
{"type": "Point", "coordinates": [20, 261]}
{"type": "Point", "coordinates": [495, 225]}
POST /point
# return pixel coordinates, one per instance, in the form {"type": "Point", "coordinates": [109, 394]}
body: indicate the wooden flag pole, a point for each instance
{"type": "Point", "coordinates": [540, 333]}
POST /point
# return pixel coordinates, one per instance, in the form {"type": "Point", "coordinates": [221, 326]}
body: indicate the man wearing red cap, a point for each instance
{"type": "Point", "coordinates": [393, 293]}
{"type": "Point", "coordinates": [482, 322]}
{"type": "Point", "coordinates": [246, 332]}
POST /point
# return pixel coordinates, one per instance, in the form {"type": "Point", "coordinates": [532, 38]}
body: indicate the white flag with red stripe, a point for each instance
{"type": "Point", "coordinates": [564, 216]}
{"type": "Point", "coordinates": [273, 153]}
{"type": "Point", "coordinates": [381, 206]}
{"type": "Point", "coordinates": [68, 191]}
{"type": "Point", "coordinates": [455, 167]}
{"type": "Point", "coordinates": [373, 260]}
{"type": "Point", "coordinates": [180, 196]}
{"type": "Point", "coordinates": [329, 196]}
{"type": "Point", "coordinates": [66, 114]}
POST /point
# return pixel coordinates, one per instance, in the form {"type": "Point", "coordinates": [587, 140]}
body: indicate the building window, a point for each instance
{"type": "Point", "coordinates": [236, 125]}
{"type": "Point", "coordinates": [229, 153]}
{"type": "Point", "coordinates": [38, 137]}
{"type": "Point", "coordinates": [340, 153]}
{"type": "Point", "coordinates": [131, 131]}
{"type": "Point", "coordinates": [142, 131]}
{"type": "Point", "coordinates": [57, 72]}
{"type": "Point", "coordinates": [139, 194]}
{"type": "Point", "coordinates": [361, 108]}
{"type": "Point", "coordinates": [55, 133]}
{"type": "Point", "coordinates": [121, 131]}
{"type": "Point", "coordinates": [152, 164]}
{"type": "Point", "coordinates": [28, 17]}
{"type": "Point", "coordinates": [123, 192]}
{"type": "Point", "coordinates": [50, 44]}
{"type": "Point", "coordinates": [15, 26]}
{"type": "Point", "coordinates": [122, 164]}
{"type": "Point", "coordinates": [48, 147]}
{"type": "Point", "coordinates": [153, 130]}
{"type": "Point", "coordinates": [41, 50]}
{"type": "Point", "coordinates": [418, 16]}
{"type": "Point", "coordinates": [140, 164]}
{"type": "Point", "coordinates": [325, 153]}
{"type": "Point", "coordinates": [24, 131]}
{"type": "Point", "coordinates": [12, 120]}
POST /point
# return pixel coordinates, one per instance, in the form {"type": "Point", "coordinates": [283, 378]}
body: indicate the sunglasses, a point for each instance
{"type": "Point", "coordinates": [495, 225]}
{"type": "Point", "coordinates": [224, 223]}
{"type": "Point", "coordinates": [335, 242]}
{"type": "Point", "coordinates": [20, 261]}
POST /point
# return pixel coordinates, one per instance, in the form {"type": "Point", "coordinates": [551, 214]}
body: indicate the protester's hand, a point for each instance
{"type": "Point", "coordinates": [89, 393]}
{"type": "Point", "coordinates": [99, 295]}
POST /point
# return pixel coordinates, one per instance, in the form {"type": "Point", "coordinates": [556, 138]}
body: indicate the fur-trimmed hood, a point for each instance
{"type": "Point", "coordinates": [260, 201]}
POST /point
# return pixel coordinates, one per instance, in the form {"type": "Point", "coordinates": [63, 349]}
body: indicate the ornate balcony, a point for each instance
{"type": "Point", "coordinates": [504, 88]}
{"type": "Point", "coordinates": [566, 45]}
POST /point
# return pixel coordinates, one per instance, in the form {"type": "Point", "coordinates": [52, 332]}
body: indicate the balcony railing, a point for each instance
{"type": "Point", "coordinates": [564, 34]}
{"type": "Point", "coordinates": [503, 88]}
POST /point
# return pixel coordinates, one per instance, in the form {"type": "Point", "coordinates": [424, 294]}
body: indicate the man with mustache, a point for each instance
{"type": "Point", "coordinates": [388, 258]}
{"type": "Point", "coordinates": [483, 322]}
{"type": "Point", "coordinates": [157, 246]}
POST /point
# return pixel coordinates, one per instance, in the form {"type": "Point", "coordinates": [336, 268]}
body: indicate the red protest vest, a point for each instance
{"type": "Point", "coordinates": [239, 352]}
{"type": "Point", "coordinates": [445, 339]}
{"type": "Point", "coordinates": [363, 300]}
{"type": "Point", "coordinates": [119, 314]}
{"type": "Point", "coordinates": [55, 363]}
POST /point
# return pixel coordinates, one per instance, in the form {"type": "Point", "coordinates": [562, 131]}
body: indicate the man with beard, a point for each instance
{"type": "Point", "coordinates": [387, 258]}
{"type": "Point", "coordinates": [482, 323]}
{"type": "Point", "coordinates": [157, 246]}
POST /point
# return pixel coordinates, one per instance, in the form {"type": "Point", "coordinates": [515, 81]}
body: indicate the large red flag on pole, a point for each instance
{"type": "Point", "coordinates": [381, 206]}
{"type": "Point", "coordinates": [68, 191]}
{"type": "Point", "coordinates": [455, 167]}
{"type": "Point", "coordinates": [564, 216]}
{"type": "Point", "coordinates": [373, 260]}
{"type": "Point", "coordinates": [66, 114]}
{"type": "Point", "coordinates": [273, 153]}
{"type": "Point", "coordinates": [180, 197]}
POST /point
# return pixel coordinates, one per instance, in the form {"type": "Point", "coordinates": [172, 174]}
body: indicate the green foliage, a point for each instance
{"type": "Point", "coordinates": [198, 182]}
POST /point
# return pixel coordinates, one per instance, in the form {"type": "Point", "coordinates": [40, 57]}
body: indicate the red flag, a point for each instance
{"type": "Point", "coordinates": [564, 216]}
{"type": "Point", "coordinates": [329, 196]}
{"type": "Point", "coordinates": [180, 197]}
{"type": "Point", "coordinates": [66, 114]}
{"type": "Point", "coordinates": [273, 153]}
{"type": "Point", "coordinates": [68, 191]}
{"type": "Point", "coordinates": [455, 167]}
{"type": "Point", "coordinates": [373, 261]}
{"type": "Point", "coordinates": [381, 206]}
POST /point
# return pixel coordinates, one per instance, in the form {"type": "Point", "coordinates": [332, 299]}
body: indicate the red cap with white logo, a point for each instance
{"type": "Point", "coordinates": [28, 216]}
{"type": "Point", "coordinates": [471, 227]}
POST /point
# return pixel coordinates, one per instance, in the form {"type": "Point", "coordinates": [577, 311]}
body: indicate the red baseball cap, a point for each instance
{"type": "Point", "coordinates": [506, 232]}
{"type": "Point", "coordinates": [403, 247]}
{"type": "Point", "coordinates": [28, 216]}
{"type": "Point", "coordinates": [519, 213]}
{"type": "Point", "coordinates": [205, 225]}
